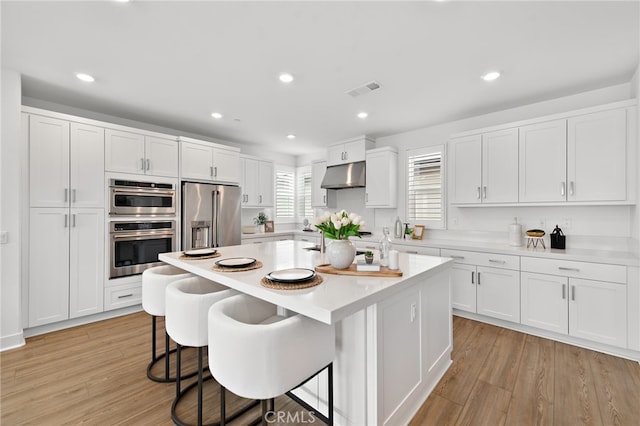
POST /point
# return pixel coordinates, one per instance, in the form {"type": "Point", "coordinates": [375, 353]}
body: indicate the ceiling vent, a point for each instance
{"type": "Point", "coordinates": [369, 87]}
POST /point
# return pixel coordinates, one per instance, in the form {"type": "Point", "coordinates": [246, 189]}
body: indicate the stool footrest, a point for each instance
{"type": "Point", "coordinates": [166, 378]}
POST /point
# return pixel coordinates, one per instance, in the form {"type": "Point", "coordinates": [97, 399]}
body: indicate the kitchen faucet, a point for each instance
{"type": "Point", "coordinates": [322, 243]}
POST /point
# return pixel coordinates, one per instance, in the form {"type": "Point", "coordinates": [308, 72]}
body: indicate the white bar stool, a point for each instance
{"type": "Point", "coordinates": [187, 303]}
{"type": "Point", "coordinates": [257, 354]}
{"type": "Point", "coordinates": [154, 284]}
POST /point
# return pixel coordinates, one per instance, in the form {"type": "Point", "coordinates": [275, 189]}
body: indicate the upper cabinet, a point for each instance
{"type": "Point", "coordinates": [66, 163]}
{"type": "Point", "coordinates": [349, 151]}
{"type": "Point", "coordinates": [485, 168]}
{"type": "Point", "coordinates": [381, 178]}
{"type": "Point", "coordinates": [209, 162]}
{"type": "Point", "coordinates": [127, 152]}
{"type": "Point", "coordinates": [320, 197]}
{"type": "Point", "coordinates": [257, 183]}
{"type": "Point", "coordinates": [582, 157]}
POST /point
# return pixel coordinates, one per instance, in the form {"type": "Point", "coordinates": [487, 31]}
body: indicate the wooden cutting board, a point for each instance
{"type": "Point", "coordinates": [326, 268]}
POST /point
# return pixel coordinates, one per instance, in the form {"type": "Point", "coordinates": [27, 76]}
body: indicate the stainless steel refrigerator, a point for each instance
{"type": "Point", "coordinates": [210, 215]}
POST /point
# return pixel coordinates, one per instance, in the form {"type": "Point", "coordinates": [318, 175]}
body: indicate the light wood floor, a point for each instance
{"type": "Point", "coordinates": [96, 375]}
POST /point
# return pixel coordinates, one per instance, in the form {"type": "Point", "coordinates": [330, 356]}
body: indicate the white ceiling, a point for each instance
{"type": "Point", "coordinates": [173, 63]}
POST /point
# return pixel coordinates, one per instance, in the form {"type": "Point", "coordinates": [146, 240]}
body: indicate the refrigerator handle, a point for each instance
{"type": "Point", "coordinates": [216, 218]}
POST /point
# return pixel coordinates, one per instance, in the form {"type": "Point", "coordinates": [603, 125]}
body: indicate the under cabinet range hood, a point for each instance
{"type": "Point", "coordinates": [344, 176]}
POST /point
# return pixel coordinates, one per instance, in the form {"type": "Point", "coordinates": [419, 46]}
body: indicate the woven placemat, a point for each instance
{"type": "Point", "coordinates": [256, 265]}
{"type": "Point", "coordinates": [280, 286]}
{"type": "Point", "coordinates": [211, 256]}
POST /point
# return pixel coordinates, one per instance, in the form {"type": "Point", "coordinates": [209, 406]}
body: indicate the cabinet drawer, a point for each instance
{"type": "Point", "coordinates": [122, 295]}
{"type": "Point", "coordinates": [428, 251]}
{"type": "Point", "coordinates": [492, 260]}
{"type": "Point", "coordinates": [567, 268]}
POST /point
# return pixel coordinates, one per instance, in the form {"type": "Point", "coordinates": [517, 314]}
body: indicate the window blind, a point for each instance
{"type": "Point", "coordinates": [304, 195]}
{"type": "Point", "coordinates": [424, 186]}
{"type": "Point", "coordinates": [285, 192]}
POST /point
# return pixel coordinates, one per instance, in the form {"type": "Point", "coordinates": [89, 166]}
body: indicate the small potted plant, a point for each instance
{"type": "Point", "coordinates": [368, 257]}
{"type": "Point", "coordinates": [260, 220]}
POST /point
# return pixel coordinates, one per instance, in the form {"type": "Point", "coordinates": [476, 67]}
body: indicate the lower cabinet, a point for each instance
{"type": "Point", "coordinates": [588, 309]}
{"type": "Point", "coordinates": [66, 264]}
{"type": "Point", "coordinates": [485, 290]}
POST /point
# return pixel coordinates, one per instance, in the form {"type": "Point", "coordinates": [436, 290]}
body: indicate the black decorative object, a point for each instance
{"type": "Point", "coordinates": [558, 239]}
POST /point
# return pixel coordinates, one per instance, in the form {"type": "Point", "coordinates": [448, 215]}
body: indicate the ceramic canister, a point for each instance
{"type": "Point", "coordinates": [515, 234]}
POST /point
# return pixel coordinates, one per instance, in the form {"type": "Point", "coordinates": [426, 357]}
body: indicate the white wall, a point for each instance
{"type": "Point", "coordinates": [10, 288]}
{"type": "Point", "coordinates": [603, 221]}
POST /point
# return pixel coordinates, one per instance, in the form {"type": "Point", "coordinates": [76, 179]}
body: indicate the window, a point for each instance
{"type": "Point", "coordinates": [303, 194]}
{"type": "Point", "coordinates": [424, 186]}
{"type": "Point", "coordinates": [285, 192]}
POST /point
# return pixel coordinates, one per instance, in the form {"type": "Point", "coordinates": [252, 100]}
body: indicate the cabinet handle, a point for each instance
{"type": "Point", "coordinates": [478, 193]}
{"type": "Point", "coordinates": [563, 188]}
{"type": "Point", "coordinates": [148, 164]}
{"type": "Point", "coordinates": [66, 195]}
{"type": "Point", "coordinates": [260, 196]}
{"type": "Point", "coordinates": [571, 189]}
{"type": "Point", "coordinates": [211, 171]}
{"type": "Point", "coordinates": [324, 199]}
{"type": "Point", "coordinates": [456, 257]}
{"type": "Point", "coordinates": [73, 195]}
{"type": "Point", "coordinates": [125, 295]}
{"type": "Point", "coordinates": [371, 247]}
{"type": "Point", "coordinates": [346, 155]}
{"type": "Point", "coordinates": [562, 268]}
{"type": "Point", "coordinates": [73, 220]}
{"type": "Point", "coordinates": [484, 192]}
{"type": "Point", "coordinates": [573, 292]}
{"type": "Point", "coordinates": [564, 289]}
{"type": "Point", "coordinates": [412, 252]}
{"type": "Point", "coordinates": [478, 278]}
{"type": "Point", "coordinates": [142, 164]}
{"type": "Point", "coordinates": [215, 171]}
{"type": "Point", "coordinates": [473, 276]}
{"type": "Point", "coordinates": [66, 218]}
{"type": "Point", "coordinates": [502, 262]}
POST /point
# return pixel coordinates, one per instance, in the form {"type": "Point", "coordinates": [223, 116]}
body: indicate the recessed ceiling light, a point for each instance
{"type": "Point", "coordinates": [490, 76]}
{"type": "Point", "coordinates": [285, 77]}
{"type": "Point", "coordinates": [216, 115]}
{"type": "Point", "coordinates": [291, 136]}
{"type": "Point", "coordinates": [362, 114]}
{"type": "Point", "coordinates": [85, 77]}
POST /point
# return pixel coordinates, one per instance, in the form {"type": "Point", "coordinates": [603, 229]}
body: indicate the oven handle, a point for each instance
{"type": "Point", "coordinates": [139, 191]}
{"type": "Point", "coordinates": [142, 236]}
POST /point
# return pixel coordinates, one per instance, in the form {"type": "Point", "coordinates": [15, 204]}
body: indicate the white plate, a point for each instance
{"type": "Point", "coordinates": [291, 275]}
{"type": "Point", "coordinates": [200, 252]}
{"type": "Point", "coordinates": [236, 262]}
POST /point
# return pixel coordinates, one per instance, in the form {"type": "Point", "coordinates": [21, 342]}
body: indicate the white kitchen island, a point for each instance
{"type": "Point", "coordinates": [393, 334]}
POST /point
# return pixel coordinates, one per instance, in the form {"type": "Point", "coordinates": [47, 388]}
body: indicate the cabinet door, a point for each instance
{"type": "Point", "coordinates": [500, 166]}
{"type": "Point", "coordinates": [597, 152]}
{"type": "Point", "coordinates": [318, 195]}
{"type": "Point", "coordinates": [544, 301]}
{"type": "Point", "coordinates": [466, 165]}
{"type": "Point", "coordinates": [498, 293]}
{"type": "Point", "coordinates": [48, 265]}
{"type": "Point", "coordinates": [543, 162]}
{"type": "Point", "coordinates": [161, 157]}
{"type": "Point", "coordinates": [86, 262]}
{"type": "Point", "coordinates": [48, 162]}
{"type": "Point", "coordinates": [87, 166]}
{"type": "Point", "coordinates": [354, 151]}
{"type": "Point", "coordinates": [196, 161]}
{"type": "Point", "coordinates": [226, 165]}
{"type": "Point", "coordinates": [381, 179]}
{"type": "Point", "coordinates": [598, 311]}
{"type": "Point", "coordinates": [250, 188]}
{"type": "Point", "coordinates": [463, 287]}
{"type": "Point", "coordinates": [124, 152]}
{"type": "Point", "coordinates": [335, 155]}
{"type": "Point", "coordinates": [265, 184]}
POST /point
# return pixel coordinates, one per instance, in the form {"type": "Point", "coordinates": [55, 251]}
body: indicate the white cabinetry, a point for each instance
{"type": "Point", "coordinates": [485, 283]}
{"type": "Point", "coordinates": [320, 197]}
{"type": "Point", "coordinates": [257, 183]}
{"type": "Point", "coordinates": [543, 162]}
{"type": "Point", "coordinates": [349, 151]}
{"type": "Point", "coordinates": [381, 178]}
{"type": "Point", "coordinates": [128, 152]}
{"type": "Point", "coordinates": [412, 249]}
{"type": "Point", "coordinates": [485, 168]}
{"type": "Point", "coordinates": [571, 298]}
{"type": "Point", "coordinates": [206, 161]}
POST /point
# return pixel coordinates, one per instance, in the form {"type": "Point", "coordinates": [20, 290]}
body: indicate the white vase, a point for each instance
{"type": "Point", "coordinates": [260, 229]}
{"type": "Point", "coordinates": [341, 253]}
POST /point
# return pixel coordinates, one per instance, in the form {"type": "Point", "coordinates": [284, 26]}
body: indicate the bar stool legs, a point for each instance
{"type": "Point", "coordinates": [164, 356]}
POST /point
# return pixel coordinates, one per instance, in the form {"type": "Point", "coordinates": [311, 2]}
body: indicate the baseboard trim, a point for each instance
{"type": "Point", "coordinates": [11, 342]}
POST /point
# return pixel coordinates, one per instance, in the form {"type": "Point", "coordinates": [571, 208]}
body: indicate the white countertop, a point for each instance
{"type": "Point", "coordinates": [336, 298]}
